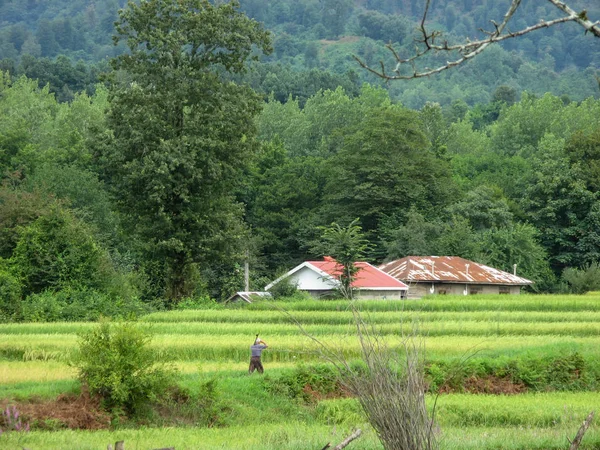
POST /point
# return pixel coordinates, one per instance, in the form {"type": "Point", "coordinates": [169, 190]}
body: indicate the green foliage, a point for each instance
{"type": "Point", "coordinates": [308, 383]}
{"type": "Point", "coordinates": [180, 134]}
{"type": "Point", "coordinates": [56, 251]}
{"type": "Point", "coordinates": [72, 304]}
{"type": "Point", "coordinates": [346, 245]}
{"type": "Point", "coordinates": [115, 362]}
{"type": "Point", "coordinates": [583, 280]}
{"type": "Point", "coordinates": [200, 302]}
{"type": "Point", "coordinates": [10, 294]}
{"type": "Point", "coordinates": [284, 289]}
{"type": "Point", "coordinates": [518, 244]}
{"type": "Point", "coordinates": [540, 373]}
{"type": "Point", "coordinates": [383, 165]}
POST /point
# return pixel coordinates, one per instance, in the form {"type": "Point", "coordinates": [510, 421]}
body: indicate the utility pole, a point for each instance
{"type": "Point", "coordinates": [246, 274]}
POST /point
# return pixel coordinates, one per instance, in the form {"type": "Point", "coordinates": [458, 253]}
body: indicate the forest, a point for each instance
{"type": "Point", "coordinates": [135, 177]}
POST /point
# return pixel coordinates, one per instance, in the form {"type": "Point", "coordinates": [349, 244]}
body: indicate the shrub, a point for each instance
{"type": "Point", "coordinates": [115, 362]}
{"type": "Point", "coordinates": [200, 302]}
{"type": "Point", "coordinates": [57, 251]}
{"type": "Point", "coordinates": [583, 280]}
{"type": "Point", "coordinates": [79, 305]}
{"type": "Point", "coordinates": [285, 288]}
{"type": "Point", "coordinates": [309, 383]}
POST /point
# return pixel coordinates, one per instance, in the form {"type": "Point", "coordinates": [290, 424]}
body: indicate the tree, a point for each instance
{"type": "Point", "coordinates": [181, 134]}
{"type": "Point", "coordinates": [384, 166]}
{"type": "Point", "coordinates": [346, 245]}
{"type": "Point", "coordinates": [458, 54]}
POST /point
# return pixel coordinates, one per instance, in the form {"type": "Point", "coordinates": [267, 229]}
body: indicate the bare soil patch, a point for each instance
{"type": "Point", "coordinates": [80, 412]}
{"type": "Point", "coordinates": [488, 384]}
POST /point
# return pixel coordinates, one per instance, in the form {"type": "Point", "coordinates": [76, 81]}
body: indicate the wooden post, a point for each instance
{"type": "Point", "coordinates": [349, 439]}
{"type": "Point", "coordinates": [579, 436]}
{"type": "Point", "coordinates": [247, 273]}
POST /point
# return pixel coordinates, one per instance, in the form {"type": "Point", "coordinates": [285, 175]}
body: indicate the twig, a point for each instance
{"type": "Point", "coordinates": [469, 49]}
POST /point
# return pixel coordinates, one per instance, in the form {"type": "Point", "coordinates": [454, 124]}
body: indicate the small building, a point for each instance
{"type": "Point", "coordinates": [321, 279]}
{"type": "Point", "coordinates": [452, 275]}
{"type": "Point", "coordinates": [248, 297]}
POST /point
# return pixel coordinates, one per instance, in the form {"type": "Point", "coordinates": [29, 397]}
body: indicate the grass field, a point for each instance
{"type": "Point", "coordinates": [491, 331]}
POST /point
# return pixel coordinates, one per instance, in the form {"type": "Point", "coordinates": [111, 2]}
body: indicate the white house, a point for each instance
{"type": "Point", "coordinates": [320, 279]}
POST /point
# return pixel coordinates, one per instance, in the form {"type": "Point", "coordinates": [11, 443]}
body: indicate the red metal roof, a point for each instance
{"type": "Point", "coordinates": [368, 277]}
{"type": "Point", "coordinates": [451, 269]}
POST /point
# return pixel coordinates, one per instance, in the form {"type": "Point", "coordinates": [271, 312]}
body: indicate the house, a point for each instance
{"type": "Point", "coordinates": [248, 297]}
{"type": "Point", "coordinates": [452, 275]}
{"type": "Point", "coordinates": [320, 279]}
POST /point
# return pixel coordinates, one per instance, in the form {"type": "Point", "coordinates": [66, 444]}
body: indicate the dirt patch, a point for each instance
{"type": "Point", "coordinates": [488, 384]}
{"type": "Point", "coordinates": [315, 396]}
{"type": "Point", "coordinates": [80, 412]}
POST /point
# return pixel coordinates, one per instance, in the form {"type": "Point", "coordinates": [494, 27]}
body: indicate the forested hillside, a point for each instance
{"type": "Point", "coordinates": [314, 42]}
{"type": "Point", "coordinates": [157, 184]}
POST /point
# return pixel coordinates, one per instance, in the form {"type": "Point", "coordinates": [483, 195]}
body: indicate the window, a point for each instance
{"type": "Point", "coordinates": [474, 290]}
{"type": "Point", "coordinates": [442, 291]}
{"type": "Point", "coordinates": [504, 290]}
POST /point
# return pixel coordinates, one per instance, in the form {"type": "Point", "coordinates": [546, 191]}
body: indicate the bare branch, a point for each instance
{"type": "Point", "coordinates": [581, 432]}
{"type": "Point", "coordinates": [469, 49]}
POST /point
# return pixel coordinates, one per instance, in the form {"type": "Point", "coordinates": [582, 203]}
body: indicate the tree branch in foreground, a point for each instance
{"type": "Point", "coordinates": [432, 41]}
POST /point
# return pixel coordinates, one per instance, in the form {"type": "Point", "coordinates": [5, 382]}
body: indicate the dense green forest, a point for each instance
{"type": "Point", "coordinates": [67, 43]}
{"type": "Point", "coordinates": [155, 184]}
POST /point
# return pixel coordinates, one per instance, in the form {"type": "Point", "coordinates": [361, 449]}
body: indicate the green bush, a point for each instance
{"type": "Point", "coordinates": [115, 362]}
{"type": "Point", "coordinates": [79, 305]}
{"type": "Point", "coordinates": [200, 302]}
{"type": "Point", "coordinates": [57, 251]}
{"type": "Point", "coordinates": [308, 383]}
{"type": "Point", "coordinates": [583, 280]}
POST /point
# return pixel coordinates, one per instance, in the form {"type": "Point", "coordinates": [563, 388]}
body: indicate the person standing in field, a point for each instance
{"type": "Point", "coordinates": [256, 349]}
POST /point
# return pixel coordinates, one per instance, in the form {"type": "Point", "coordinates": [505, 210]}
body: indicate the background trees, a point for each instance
{"type": "Point", "coordinates": [181, 134]}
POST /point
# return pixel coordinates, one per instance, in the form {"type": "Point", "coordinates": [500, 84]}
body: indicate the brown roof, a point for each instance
{"type": "Point", "coordinates": [450, 269]}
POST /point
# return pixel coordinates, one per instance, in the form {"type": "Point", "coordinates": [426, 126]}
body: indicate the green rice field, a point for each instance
{"type": "Point", "coordinates": [533, 340]}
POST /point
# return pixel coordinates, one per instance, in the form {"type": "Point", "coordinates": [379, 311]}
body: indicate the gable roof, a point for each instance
{"type": "Point", "coordinates": [368, 277]}
{"type": "Point", "coordinates": [248, 296]}
{"type": "Point", "coordinates": [450, 269]}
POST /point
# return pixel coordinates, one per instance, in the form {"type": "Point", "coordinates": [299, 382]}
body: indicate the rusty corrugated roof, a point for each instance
{"type": "Point", "coordinates": [450, 269]}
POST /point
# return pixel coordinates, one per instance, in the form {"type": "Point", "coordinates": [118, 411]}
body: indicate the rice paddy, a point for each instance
{"type": "Point", "coordinates": [213, 343]}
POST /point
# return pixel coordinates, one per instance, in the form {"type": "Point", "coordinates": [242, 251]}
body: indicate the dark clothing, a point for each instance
{"type": "Point", "coordinates": [255, 364]}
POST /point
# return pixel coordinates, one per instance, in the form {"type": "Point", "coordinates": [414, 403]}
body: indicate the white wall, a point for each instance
{"type": "Point", "coordinates": [308, 280]}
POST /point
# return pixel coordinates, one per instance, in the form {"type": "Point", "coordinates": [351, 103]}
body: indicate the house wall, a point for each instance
{"type": "Point", "coordinates": [418, 290]}
{"type": "Point", "coordinates": [308, 280]}
{"type": "Point", "coordinates": [360, 294]}
{"type": "Point", "coordinates": [380, 295]}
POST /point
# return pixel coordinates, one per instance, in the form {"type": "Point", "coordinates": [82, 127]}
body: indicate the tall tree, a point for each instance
{"type": "Point", "coordinates": [181, 134]}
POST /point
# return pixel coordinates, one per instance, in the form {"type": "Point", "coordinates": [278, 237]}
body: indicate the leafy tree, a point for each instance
{"type": "Point", "coordinates": [416, 236]}
{"type": "Point", "coordinates": [518, 244]}
{"type": "Point", "coordinates": [484, 208]}
{"type": "Point", "coordinates": [383, 166]}
{"type": "Point", "coordinates": [180, 133]}
{"type": "Point", "coordinates": [287, 193]}
{"type": "Point", "coordinates": [457, 238]}
{"type": "Point", "coordinates": [57, 251]}
{"type": "Point", "coordinates": [583, 280]}
{"type": "Point", "coordinates": [559, 204]}
{"type": "Point", "coordinates": [346, 245]}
